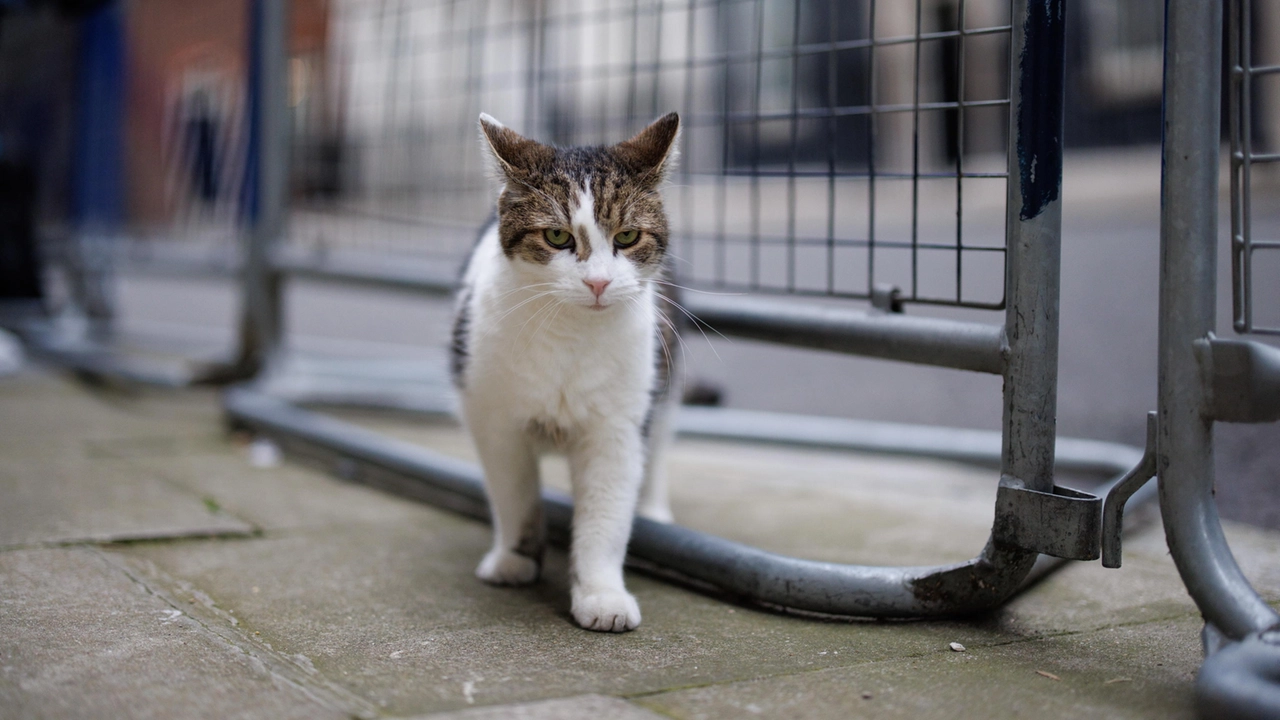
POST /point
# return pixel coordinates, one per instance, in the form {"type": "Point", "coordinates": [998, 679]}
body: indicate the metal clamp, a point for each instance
{"type": "Point", "coordinates": [1113, 508]}
{"type": "Point", "coordinates": [1063, 523]}
{"type": "Point", "coordinates": [1244, 380]}
{"type": "Point", "coordinates": [886, 298]}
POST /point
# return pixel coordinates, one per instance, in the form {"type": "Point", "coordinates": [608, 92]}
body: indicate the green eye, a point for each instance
{"type": "Point", "coordinates": [558, 238]}
{"type": "Point", "coordinates": [626, 238]}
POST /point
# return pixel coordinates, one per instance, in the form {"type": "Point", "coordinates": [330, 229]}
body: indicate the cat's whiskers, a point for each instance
{"type": "Point", "coordinates": [674, 256]}
{"type": "Point", "coordinates": [676, 332]}
{"type": "Point", "coordinates": [666, 349]}
{"type": "Point", "coordinates": [695, 290]}
{"type": "Point", "coordinates": [552, 309]}
{"type": "Point", "coordinates": [541, 309]}
{"type": "Point", "coordinates": [697, 323]}
{"type": "Point", "coordinates": [548, 320]}
{"type": "Point", "coordinates": [522, 288]}
{"type": "Point", "coordinates": [521, 304]}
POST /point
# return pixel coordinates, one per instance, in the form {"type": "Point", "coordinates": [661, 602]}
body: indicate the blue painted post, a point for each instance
{"type": "Point", "coordinates": [97, 178]}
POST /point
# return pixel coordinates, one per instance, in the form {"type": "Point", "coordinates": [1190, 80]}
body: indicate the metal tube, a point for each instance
{"type": "Point", "coordinates": [374, 272]}
{"type": "Point", "coordinates": [262, 311]}
{"type": "Point", "coordinates": [368, 457]}
{"type": "Point", "coordinates": [928, 341]}
{"type": "Point", "coordinates": [1033, 241]}
{"type": "Point", "coordinates": [1238, 682]}
{"type": "Point", "coordinates": [1188, 266]}
{"type": "Point", "coordinates": [1033, 236]}
{"type": "Point", "coordinates": [976, 447]}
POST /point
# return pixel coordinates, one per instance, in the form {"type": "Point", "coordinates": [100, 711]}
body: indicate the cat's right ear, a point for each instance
{"type": "Point", "coordinates": [516, 156]}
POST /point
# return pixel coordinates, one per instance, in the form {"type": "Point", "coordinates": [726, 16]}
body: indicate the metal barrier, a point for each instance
{"type": "Point", "coordinates": [1244, 75]}
{"type": "Point", "coordinates": [745, 180]}
{"type": "Point", "coordinates": [1204, 379]}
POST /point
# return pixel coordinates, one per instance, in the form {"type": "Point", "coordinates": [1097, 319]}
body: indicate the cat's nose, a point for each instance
{"type": "Point", "coordinates": [597, 286]}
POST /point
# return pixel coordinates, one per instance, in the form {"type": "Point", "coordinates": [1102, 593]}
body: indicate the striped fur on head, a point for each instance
{"type": "Point", "coordinates": [544, 185]}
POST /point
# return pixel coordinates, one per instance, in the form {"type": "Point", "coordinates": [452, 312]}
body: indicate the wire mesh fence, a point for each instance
{"type": "Point", "coordinates": [828, 148]}
{"type": "Point", "coordinates": [1255, 161]}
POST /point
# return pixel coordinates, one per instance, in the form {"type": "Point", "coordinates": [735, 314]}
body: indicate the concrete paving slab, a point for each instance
{"type": "Point", "coordinates": [80, 638]}
{"type": "Point", "coordinates": [833, 506]}
{"type": "Point", "coordinates": [859, 508]}
{"type": "Point", "coordinates": [583, 707]}
{"type": "Point", "coordinates": [46, 415]}
{"type": "Point", "coordinates": [73, 499]}
{"type": "Point", "coordinates": [1140, 671]}
{"type": "Point", "coordinates": [395, 614]}
{"type": "Point", "coordinates": [366, 605]}
{"type": "Point", "coordinates": [57, 483]}
{"type": "Point", "coordinates": [284, 497]}
{"type": "Point", "coordinates": [1146, 587]}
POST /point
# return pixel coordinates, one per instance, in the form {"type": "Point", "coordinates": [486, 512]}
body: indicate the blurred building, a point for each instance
{"type": "Point", "coordinates": [385, 92]}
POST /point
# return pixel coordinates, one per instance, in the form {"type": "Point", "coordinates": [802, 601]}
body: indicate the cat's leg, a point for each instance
{"type": "Point", "coordinates": [655, 502]}
{"type": "Point", "coordinates": [515, 503]}
{"type": "Point", "coordinates": [606, 465]}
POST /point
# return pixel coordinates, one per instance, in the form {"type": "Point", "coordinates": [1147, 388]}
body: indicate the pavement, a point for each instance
{"type": "Point", "coordinates": [150, 569]}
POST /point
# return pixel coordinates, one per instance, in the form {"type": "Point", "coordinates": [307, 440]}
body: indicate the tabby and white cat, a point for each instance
{"type": "Point", "coordinates": [561, 341]}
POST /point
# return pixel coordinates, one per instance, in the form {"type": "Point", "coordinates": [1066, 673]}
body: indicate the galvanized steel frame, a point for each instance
{"type": "Point", "coordinates": [1203, 379]}
{"type": "Point", "coordinates": [1023, 350]}
{"type": "Point", "coordinates": [1241, 73]}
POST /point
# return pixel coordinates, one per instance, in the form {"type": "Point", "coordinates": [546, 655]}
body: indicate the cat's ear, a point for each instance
{"type": "Point", "coordinates": [652, 152]}
{"type": "Point", "coordinates": [515, 155]}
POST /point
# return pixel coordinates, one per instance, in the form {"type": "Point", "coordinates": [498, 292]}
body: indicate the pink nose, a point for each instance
{"type": "Point", "coordinates": [597, 286]}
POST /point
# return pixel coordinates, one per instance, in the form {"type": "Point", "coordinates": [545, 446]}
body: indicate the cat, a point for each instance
{"type": "Point", "coordinates": [563, 340]}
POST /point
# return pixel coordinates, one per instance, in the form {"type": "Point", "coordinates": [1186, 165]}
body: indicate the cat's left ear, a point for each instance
{"type": "Point", "coordinates": [516, 156]}
{"type": "Point", "coordinates": [652, 152]}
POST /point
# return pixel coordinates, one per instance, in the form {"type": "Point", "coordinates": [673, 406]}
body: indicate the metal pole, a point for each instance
{"type": "Point", "coordinates": [1188, 267]}
{"type": "Point", "coordinates": [267, 186]}
{"type": "Point", "coordinates": [1033, 237]}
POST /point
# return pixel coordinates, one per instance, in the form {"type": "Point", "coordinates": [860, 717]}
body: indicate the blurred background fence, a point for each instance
{"type": "Point", "coordinates": [825, 150]}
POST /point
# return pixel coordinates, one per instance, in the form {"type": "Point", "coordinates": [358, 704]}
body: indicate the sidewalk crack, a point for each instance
{"type": "Point", "coordinates": [224, 627]}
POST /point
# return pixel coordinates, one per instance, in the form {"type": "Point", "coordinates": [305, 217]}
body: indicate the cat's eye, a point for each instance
{"type": "Point", "coordinates": [626, 238]}
{"type": "Point", "coordinates": [557, 238]}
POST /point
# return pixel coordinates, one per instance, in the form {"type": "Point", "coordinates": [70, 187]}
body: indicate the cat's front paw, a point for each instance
{"type": "Point", "coordinates": [608, 611]}
{"type": "Point", "coordinates": [504, 567]}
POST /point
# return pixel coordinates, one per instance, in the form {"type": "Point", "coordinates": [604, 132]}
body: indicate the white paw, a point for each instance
{"type": "Point", "coordinates": [503, 567]}
{"type": "Point", "coordinates": [608, 611]}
